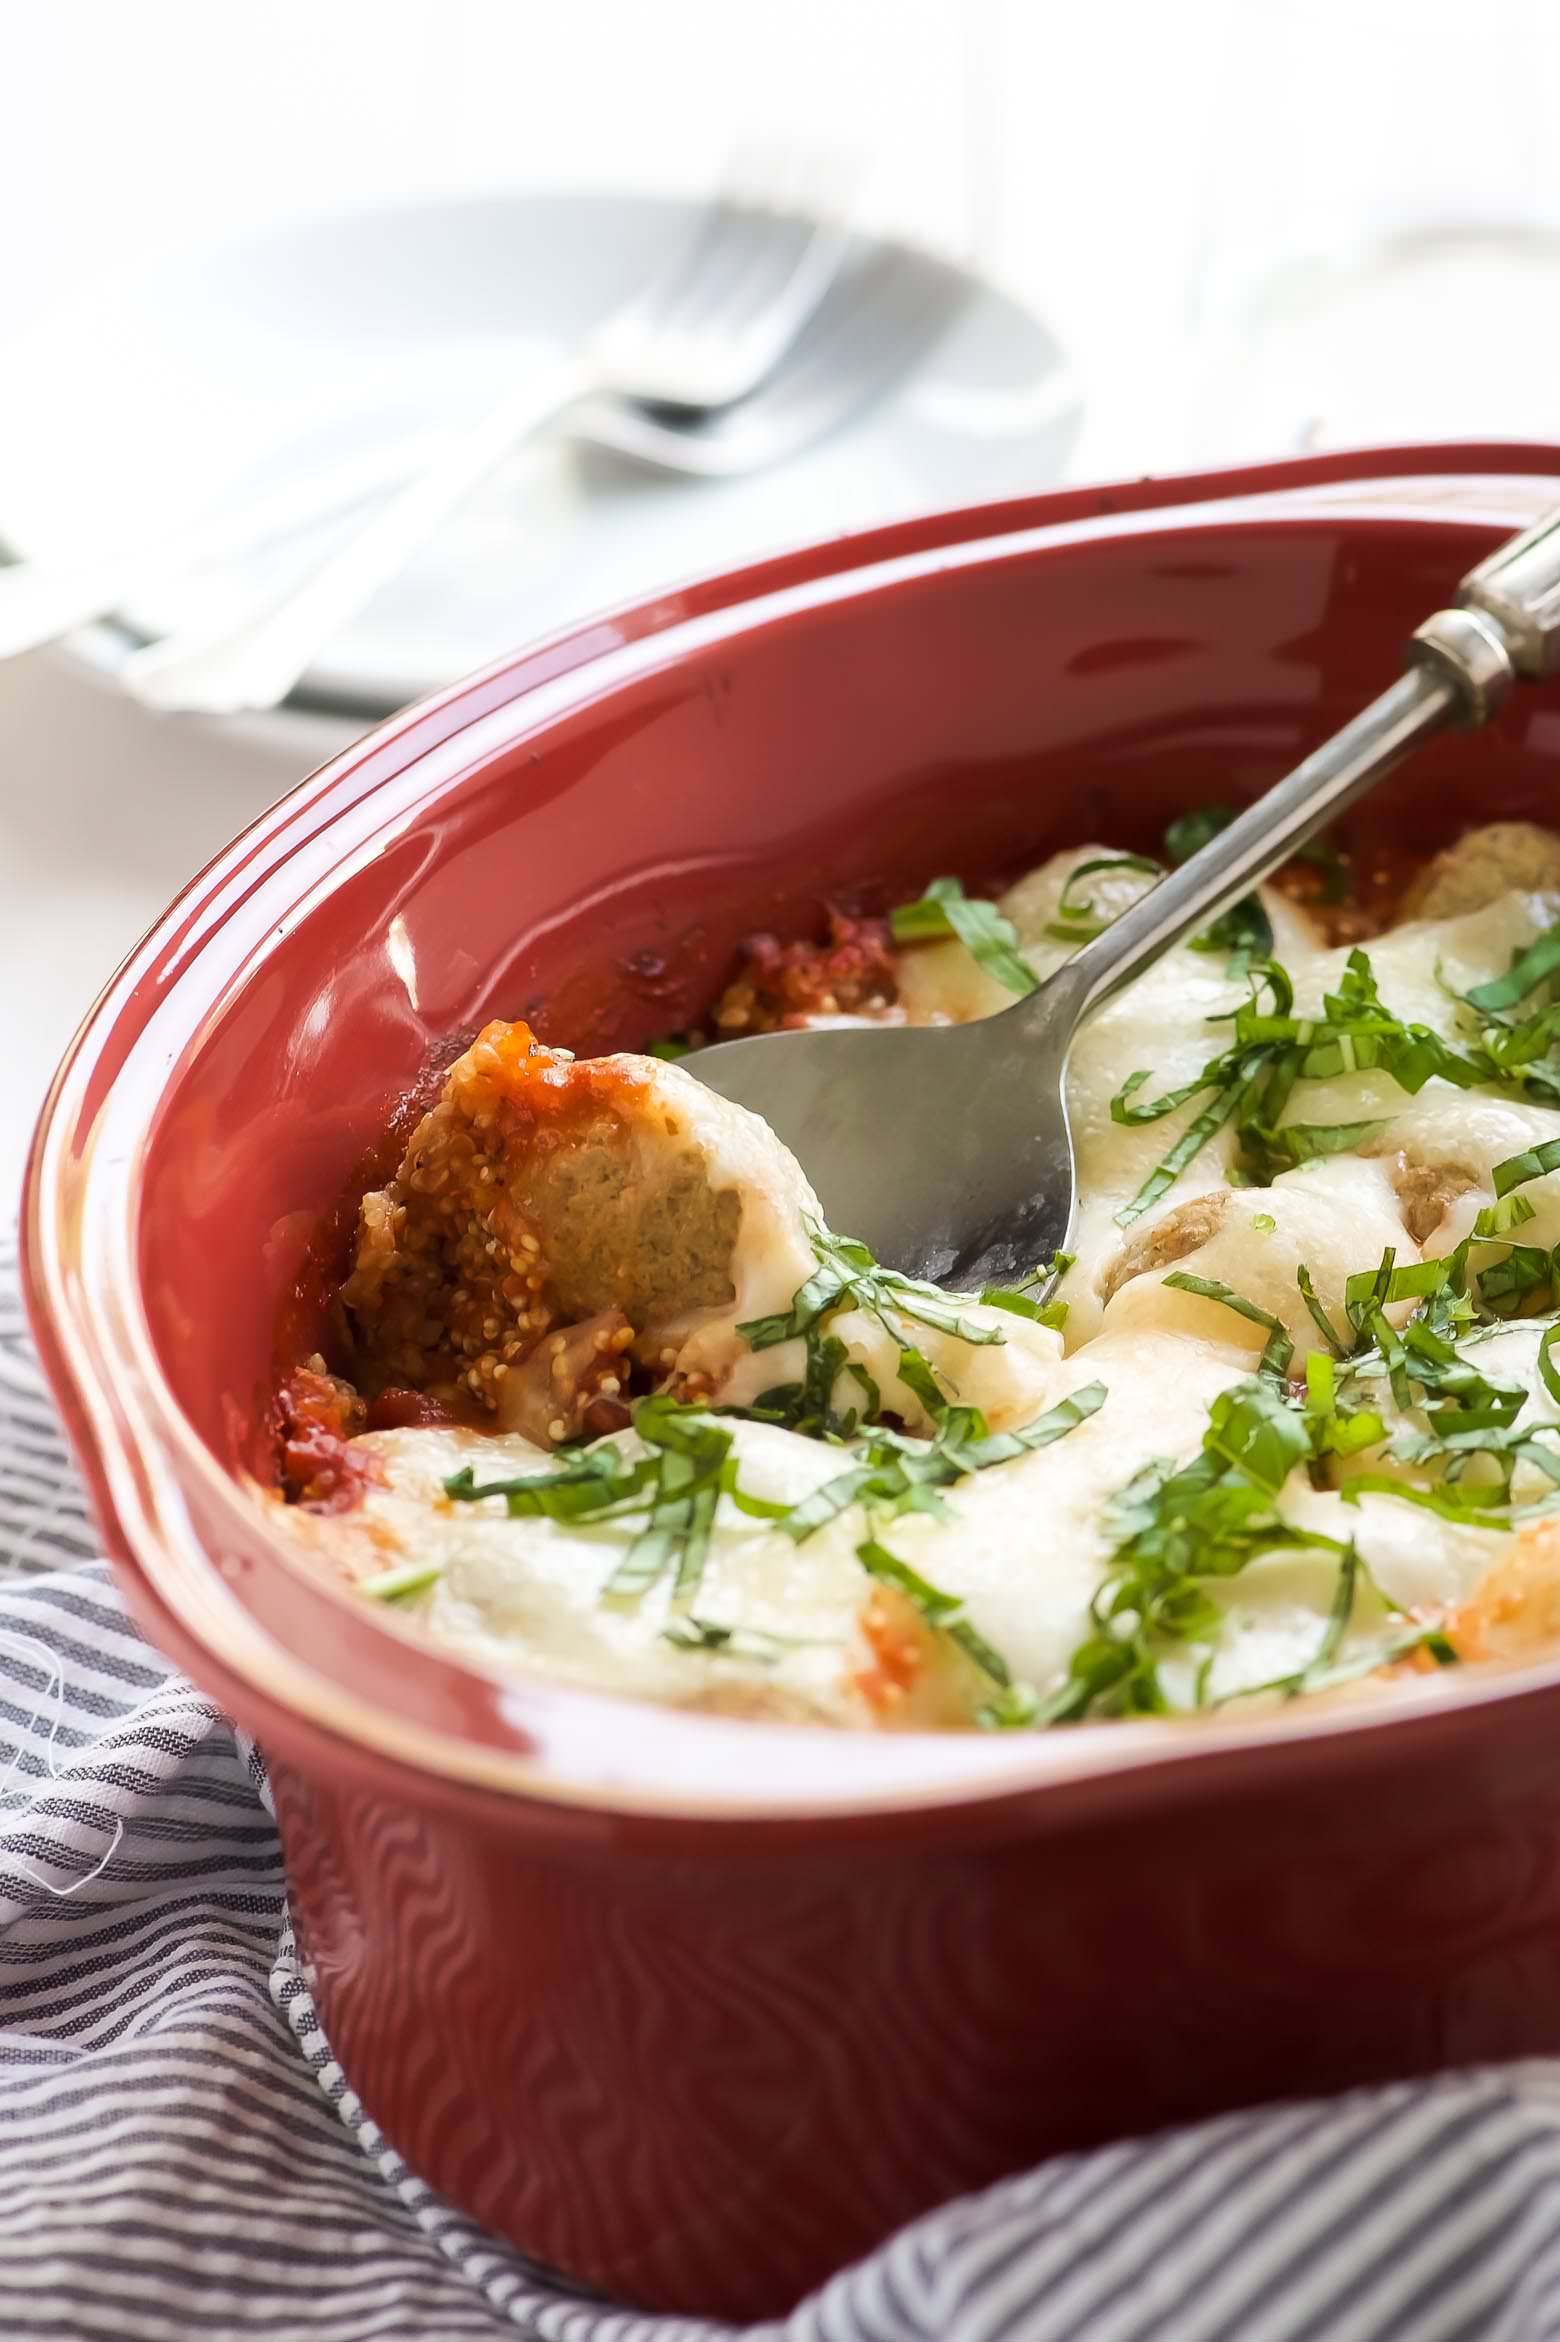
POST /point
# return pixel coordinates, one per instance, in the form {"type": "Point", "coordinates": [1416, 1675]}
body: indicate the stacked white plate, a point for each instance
{"type": "Point", "coordinates": [190, 386]}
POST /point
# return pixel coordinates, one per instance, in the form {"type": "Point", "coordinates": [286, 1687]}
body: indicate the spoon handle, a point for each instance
{"type": "Point", "coordinates": [1254, 845]}
{"type": "Point", "coordinates": [1462, 664]}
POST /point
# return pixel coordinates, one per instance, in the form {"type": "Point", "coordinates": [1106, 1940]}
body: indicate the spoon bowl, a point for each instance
{"type": "Point", "coordinates": [950, 1161]}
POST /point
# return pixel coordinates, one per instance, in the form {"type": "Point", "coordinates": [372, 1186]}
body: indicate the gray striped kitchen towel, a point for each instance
{"type": "Point", "coordinates": [180, 2154]}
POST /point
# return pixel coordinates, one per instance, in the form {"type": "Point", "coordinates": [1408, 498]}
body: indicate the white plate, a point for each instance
{"type": "Point", "coordinates": [175, 389]}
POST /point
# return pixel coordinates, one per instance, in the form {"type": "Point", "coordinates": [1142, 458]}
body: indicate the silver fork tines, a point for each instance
{"type": "Point", "coordinates": [723, 310]}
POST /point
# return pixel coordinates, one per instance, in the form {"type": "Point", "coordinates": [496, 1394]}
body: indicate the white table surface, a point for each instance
{"type": "Point", "coordinates": [104, 813]}
{"type": "Point", "coordinates": [1082, 156]}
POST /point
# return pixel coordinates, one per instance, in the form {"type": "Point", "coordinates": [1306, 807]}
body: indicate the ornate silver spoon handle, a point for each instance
{"type": "Point", "coordinates": [1462, 664]}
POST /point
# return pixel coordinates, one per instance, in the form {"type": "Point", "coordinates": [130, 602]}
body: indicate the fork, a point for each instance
{"type": "Point", "coordinates": [885, 309]}
{"type": "Point", "coordinates": [701, 334]}
{"type": "Point", "coordinates": [882, 312]}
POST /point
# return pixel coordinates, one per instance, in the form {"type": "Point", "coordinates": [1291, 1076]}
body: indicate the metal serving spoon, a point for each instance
{"type": "Point", "coordinates": [946, 1149]}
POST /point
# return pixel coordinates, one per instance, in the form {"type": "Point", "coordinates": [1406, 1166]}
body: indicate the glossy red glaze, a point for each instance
{"type": "Point", "coordinates": [691, 2008]}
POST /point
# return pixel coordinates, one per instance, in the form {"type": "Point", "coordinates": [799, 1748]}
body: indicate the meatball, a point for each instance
{"type": "Point", "coordinates": [1440, 1155]}
{"type": "Point", "coordinates": [1165, 1241]}
{"type": "Point", "coordinates": [1507, 856]}
{"type": "Point", "coordinates": [582, 1210]}
{"type": "Point", "coordinates": [556, 1223]}
{"type": "Point", "coordinates": [1426, 1192]}
{"type": "Point", "coordinates": [1330, 1217]}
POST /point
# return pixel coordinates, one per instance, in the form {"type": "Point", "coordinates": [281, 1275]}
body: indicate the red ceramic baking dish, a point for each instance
{"type": "Point", "coordinates": [697, 2009]}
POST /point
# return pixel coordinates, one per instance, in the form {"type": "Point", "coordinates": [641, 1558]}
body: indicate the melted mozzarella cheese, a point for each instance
{"type": "Point", "coordinates": [1009, 1380]}
{"type": "Point", "coordinates": [1331, 1217]}
{"type": "Point", "coordinates": [1024, 1546]}
{"type": "Point", "coordinates": [534, 1586]}
{"type": "Point", "coordinates": [1167, 1023]}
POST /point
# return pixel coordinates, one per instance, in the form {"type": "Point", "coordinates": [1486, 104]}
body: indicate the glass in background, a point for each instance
{"type": "Point", "coordinates": [1095, 136]}
{"type": "Point", "coordinates": [1379, 253]}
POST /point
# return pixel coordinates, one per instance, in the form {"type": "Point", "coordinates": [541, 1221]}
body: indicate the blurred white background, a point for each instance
{"type": "Point", "coordinates": [1170, 188]}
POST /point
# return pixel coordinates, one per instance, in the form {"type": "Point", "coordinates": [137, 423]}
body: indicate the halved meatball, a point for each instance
{"type": "Point", "coordinates": [1441, 1153]}
{"type": "Point", "coordinates": [1165, 1241]}
{"type": "Point", "coordinates": [560, 1212]}
{"type": "Point", "coordinates": [1331, 1218]}
{"type": "Point", "coordinates": [554, 1220]}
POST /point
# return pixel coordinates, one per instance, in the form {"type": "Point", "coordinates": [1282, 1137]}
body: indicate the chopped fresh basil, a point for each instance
{"type": "Point", "coordinates": [1512, 1286]}
{"type": "Point", "coordinates": [1176, 1531]}
{"type": "Point", "coordinates": [1190, 1144]}
{"type": "Point", "coordinates": [847, 1277]}
{"type": "Point", "coordinates": [1338, 1616]}
{"type": "Point", "coordinates": [1079, 921]}
{"type": "Point", "coordinates": [1018, 1303]}
{"type": "Point", "coordinates": [917, 1376]}
{"type": "Point", "coordinates": [691, 1450]}
{"type": "Point", "coordinates": [732, 1642]}
{"type": "Point", "coordinates": [592, 1483]}
{"type": "Point", "coordinates": [891, 1473]}
{"type": "Point", "coordinates": [1190, 832]}
{"type": "Point", "coordinates": [1307, 1142]}
{"type": "Point", "coordinates": [1179, 1530]}
{"type": "Point", "coordinates": [1428, 1639]}
{"type": "Point", "coordinates": [1335, 1430]}
{"type": "Point", "coordinates": [1517, 1170]}
{"type": "Point", "coordinates": [1546, 1364]}
{"type": "Point", "coordinates": [1371, 1290]}
{"type": "Point", "coordinates": [1182, 1530]}
{"type": "Point", "coordinates": [1498, 1219]}
{"type": "Point", "coordinates": [1019, 1299]}
{"type": "Point", "coordinates": [1327, 1670]}
{"type": "Point", "coordinates": [1322, 1321]}
{"type": "Point", "coordinates": [808, 1406]}
{"type": "Point", "coordinates": [1272, 1050]}
{"type": "Point", "coordinates": [1279, 1349]}
{"type": "Point", "coordinates": [675, 1485]}
{"type": "Point", "coordinates": [1465, 1508]}
{"type": "Point", "coordinates": [1245, 931]}
{"type": "Point", "coordinates": [943, 1611]}
{"type": "Point", "coordinates": [1529, 968]}
{"type": "Point", "coordinates": [992, 940]}
{"type": "Point", "coordinates": [1470, 1418]}
{"type": "Point", "coordinates": [393, 1585]}
{"type": "Point", "coordinates": [897, 1475]}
